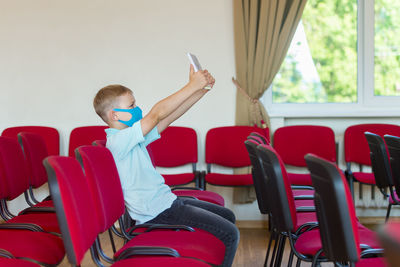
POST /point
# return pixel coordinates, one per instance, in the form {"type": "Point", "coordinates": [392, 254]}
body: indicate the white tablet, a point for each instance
{"type": "Point", "coordinates": [194, 61]}
{"type": "Point", "coordinates": [196, 65]}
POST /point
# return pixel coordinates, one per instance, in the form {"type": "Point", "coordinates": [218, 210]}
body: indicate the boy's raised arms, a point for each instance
{"type": "Point", "coordinates": [177, 102]}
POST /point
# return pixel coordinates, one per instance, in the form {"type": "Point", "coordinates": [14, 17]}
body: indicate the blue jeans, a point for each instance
{"type": "Point", "coordinates": [212, 218]}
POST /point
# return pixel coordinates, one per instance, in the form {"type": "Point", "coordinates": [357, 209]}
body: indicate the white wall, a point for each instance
{"type": "Point", "coordinates": [55, 55]}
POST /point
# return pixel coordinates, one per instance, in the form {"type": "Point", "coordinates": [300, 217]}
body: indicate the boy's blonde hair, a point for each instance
{"type": "Point", "coordinates": [106, 99]}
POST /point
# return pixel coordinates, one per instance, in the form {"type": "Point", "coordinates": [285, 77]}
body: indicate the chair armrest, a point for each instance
{"type": "Point", "coordinates": [22, 226]}
{"type": "Point", "coordinates": [38, 209]}
{"type": "Point", "coordinates": [159, 251]}
{"type": "Point", "coordinates": [304, 197]}
{"type": "Point", "coordinates": [305, 209]}
{"type": "Point", "coordinates": [151, 227]}
{"type": "Point", "coordinates": [185, 188]}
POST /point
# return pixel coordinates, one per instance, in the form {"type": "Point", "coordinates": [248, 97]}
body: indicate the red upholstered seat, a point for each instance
{"type": "Point", "coordinates": [364, 177]}
{"type": "Point", "coordinates": [105, 188]}
{"type": "Point", "coordinates": [202, 195]}
{"type": "Point", "coordinates": [225, 147]}
{"type": "Point", "coordinates": [17, 263]}
{"type": "Point", "coordinates": [202, 247]}
{"type": "Point", "coordinates": [85, 135]}
{"type": "Point", "coordinates": [356, 150]}
{"type": "Point", "coordinates": [292, 143]}
{"type": "Point", "coordinates": [299, 178]}
{"type": "Point", "coordinates": [342, 237]}
{"type": "Point", "coordinates": [14, 181]}
{"type": "Point", "coordinates": [49, 134]}
{"type": "Point", "coordinates": [39, 246]}
{"type": "Point", "coordinates": [229, 179]}
{"type": "Point", "coordinates": [371, 262]}
{"type": "Point", "coordinates": [160, 261]}
{"type": "Point", "coordinates": [177, 147]}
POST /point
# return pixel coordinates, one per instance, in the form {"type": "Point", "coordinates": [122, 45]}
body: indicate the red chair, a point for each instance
{"type": "Point", "coordinates": [85, 136]}
{"type": "Point", "coordinates": [338, 224]}
{"type": "Point", "coordinates": [293, 142]}
{"type": "Point", "coordinates": [225, 147]}
{"type": "Point", "coordinates": [356, 152]}
{"type": "Point", "coordinates": [105, 187]}
{"type": "Point", "coordinates": [381, 169]}
{"type": "Point", "coordinates": [178, 147]}
{"type": "Point", "coordinates": [49, 134]}
{"type": "Point", "coordinates": [304, 242]}
{"type": "Point", "coordinates": [35, 151]}
{"type": "Point", "coordinates": [80, 224]}
{"type": "Point", "coordinates": [14, 180]}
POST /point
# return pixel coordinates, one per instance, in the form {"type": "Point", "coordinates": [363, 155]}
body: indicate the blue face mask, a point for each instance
{"type": "Point", "coordinates": [136, 113]}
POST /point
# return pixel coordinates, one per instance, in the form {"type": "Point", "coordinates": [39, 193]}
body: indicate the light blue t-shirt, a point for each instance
{"type": "Point", "coordinates": [145, 192]}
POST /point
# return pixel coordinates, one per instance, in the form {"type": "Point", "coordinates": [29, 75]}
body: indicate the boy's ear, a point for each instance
{"type": "Point", "coordinates": [112, 115]}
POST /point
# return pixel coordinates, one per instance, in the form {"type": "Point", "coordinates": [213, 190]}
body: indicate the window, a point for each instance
{"type": "Point", "coordinates": [345, 56]}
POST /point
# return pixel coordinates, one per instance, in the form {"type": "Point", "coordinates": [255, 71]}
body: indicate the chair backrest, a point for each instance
{"type": "Point", "coordinates": [85, 136]}
{"type": "Point", "coordinates": [293, 142]}
{"type": "Point", "coordinates": [49, 134]}
{"type": "Point", "coordinates": [224, 145]}
{"type": "Point", "coordinates": [355, 145]}
{"type": "Point", "coordinates": [393, 146]}
{"type": "Point", "coordinates": [176, 147]}
{"type": "Point", "coordinates": [278, 188]}
{"type": "Point", "coordinates": [379, 160]}
{"type": "Point", "coordinates": [104, 183]}
{"type": "Point", "coordinates": [74, 206]}
{"type": "Point", "coordinates": [265, 139]}
{"type": "Point", "coordinates": [335, 210]}
{"type": "Point", "coordinates": [258, 175]}
{"type": "Point", "coordinates": [35, 150]}
{"type": "Point", "coordinates": [101, 143]}
{"type": "Point", "coordinates": [13, 168]}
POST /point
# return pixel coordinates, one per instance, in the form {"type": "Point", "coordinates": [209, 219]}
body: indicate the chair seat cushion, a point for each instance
{"type": "Point", "coordinates": [199, 244]}
{"type": "Point", "coordinates": [372, 262]}
{"type": "Point", "coordinates": [299, 178]}
{"type": "Point", "coordinates": [160, 261]}
{"type": "Point", "coordinates": [42, 247]}
{"type": "Point", "coordinates": [302, 192]}
{"type": "Point", "coordinates": [304, 203]}
{"type": "Point", "coordinates": [178, 179]}
{"type": "Point", "coordinates": [208, 196]}
{"type": "Point", "coordinates": [309, 243]}
{"type": "Point", "coordinates": [48, 221]}
{"type": "Point", "coordinates": [17, 263]}
{"type": "Point", "coordinates": [45, 203]}
{"type": "Point", "coordinates": [305, 217]}
{"type": "Point", "coordinates": [364, 177]}
{"type": "Point", "coordinates": [229, 179]}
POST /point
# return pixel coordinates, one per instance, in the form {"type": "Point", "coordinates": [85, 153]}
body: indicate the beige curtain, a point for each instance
{"type": "Point", "coordinates": [263, 32]}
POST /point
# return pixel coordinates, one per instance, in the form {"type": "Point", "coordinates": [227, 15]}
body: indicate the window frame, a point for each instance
{"type": "Point", "coordinates": [367, 105]}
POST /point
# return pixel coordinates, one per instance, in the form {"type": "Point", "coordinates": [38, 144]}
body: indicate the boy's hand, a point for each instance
{"type": "Point", "coordinates": [201, 78]}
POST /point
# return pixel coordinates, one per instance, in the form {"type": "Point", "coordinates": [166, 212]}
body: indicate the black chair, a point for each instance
{"type": "Point", "coordinates": [381, 168]}
{"type": "Point", "coordinates": [338, 225]}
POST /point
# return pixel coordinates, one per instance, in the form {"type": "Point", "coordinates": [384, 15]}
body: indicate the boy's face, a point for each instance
{"type": "Point", "coordinates": [126, 101]}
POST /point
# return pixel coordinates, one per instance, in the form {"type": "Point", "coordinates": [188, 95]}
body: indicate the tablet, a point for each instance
{"type": "Point", "coordinates": [194, 61]}
{"type": "Point", "coordinates": [196, 65]}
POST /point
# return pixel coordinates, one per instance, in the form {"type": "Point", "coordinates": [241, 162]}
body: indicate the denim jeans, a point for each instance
{"type": "Point", "coordinates": [212, 218]}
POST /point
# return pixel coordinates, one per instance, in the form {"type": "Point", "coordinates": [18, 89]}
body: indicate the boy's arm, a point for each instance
{"type": "Point", "coordinates": [168, 105]}
{"type": "Point", "coordinates": [181, 109]}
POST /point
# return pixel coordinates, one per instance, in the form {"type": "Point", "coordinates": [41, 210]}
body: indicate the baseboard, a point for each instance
{"type": "Point", "coordinates": [252, 224]}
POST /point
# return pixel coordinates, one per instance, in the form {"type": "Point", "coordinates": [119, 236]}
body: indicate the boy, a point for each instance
{"type": "Point", "coordinates": [147, 197]}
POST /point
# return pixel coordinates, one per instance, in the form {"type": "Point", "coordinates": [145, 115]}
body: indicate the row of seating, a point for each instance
{"type": "Point", "coordinates": [326, 231]}
{"type": "Point", "coordinates": [224, 147]}
{"type": "Point", "coordinates": [81, 206]}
